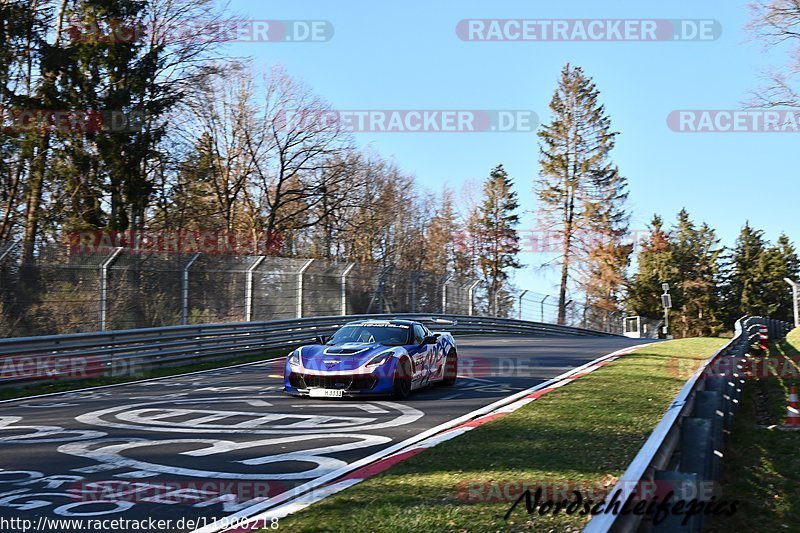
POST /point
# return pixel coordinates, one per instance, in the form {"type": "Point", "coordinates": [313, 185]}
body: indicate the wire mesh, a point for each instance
{"type": "Point", "coordinates": [63, 291]}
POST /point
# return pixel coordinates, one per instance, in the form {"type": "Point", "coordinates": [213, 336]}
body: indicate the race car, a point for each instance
{"type": "Point", "coordinates": [373, 358]}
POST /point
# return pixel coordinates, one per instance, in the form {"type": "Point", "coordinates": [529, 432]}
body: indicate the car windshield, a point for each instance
{"type": "Point", "coordinates": [388, 334]}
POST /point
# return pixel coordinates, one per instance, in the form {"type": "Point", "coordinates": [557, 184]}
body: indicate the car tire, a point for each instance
{"type": "Point", "coordinates": [450, 369]}
{"type": "Point", "coordinates": [402, 380]}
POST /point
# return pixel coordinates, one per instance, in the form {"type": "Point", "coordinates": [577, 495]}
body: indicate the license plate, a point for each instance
{"type": "Point", "coordinates": [325, 393]}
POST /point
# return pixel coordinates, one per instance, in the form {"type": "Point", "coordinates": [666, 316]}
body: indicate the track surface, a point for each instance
{"type": "Point", "coordinates": [204, 446]}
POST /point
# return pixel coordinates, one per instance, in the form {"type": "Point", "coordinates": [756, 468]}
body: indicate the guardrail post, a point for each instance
{"type": "Point", "coordinates": [471, 296]}
{"type": "Point", "coordinates": [697, 434]}
{"type": "Point", "coordinates": [686, 487]}
{"type": "Point", "coordinates": [721, 385]}
{"type": "Point", "coordinates": [344, 287]}
{"type": "Point", "coordinates": [708, 405]}
{"type": "Point", "coordinates": [248, 289]}
{"type": "Point", "coordinates": [104, 285]}
{"type": "Point", "coordinates": [300, 287]}
{"type": "Point", "coordinates": [185, 289]}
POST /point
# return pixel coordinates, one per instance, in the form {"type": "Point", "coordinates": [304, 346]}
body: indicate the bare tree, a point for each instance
{"type": "Point", "coordinates": [777, 22]}
{"type": "Point", "coordinates": [298, 154]}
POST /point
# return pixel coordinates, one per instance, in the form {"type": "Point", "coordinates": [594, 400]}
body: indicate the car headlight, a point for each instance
{"type": "Point", "coordinates": [380, 359]}
{"type": "Point", "coordinates": [294, 358]}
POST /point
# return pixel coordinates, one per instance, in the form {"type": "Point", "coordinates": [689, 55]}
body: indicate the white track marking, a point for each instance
{"type": "Point", "coordinates": [210, 370]}
{"type": "Point", "coordinates": [41, 434]}
{"type": "Point", "coordinates": [131, 417]}
{"type": "Point", "coordinates": [290, 497]}
{"type": "Point", "coordinates": [119, 455]}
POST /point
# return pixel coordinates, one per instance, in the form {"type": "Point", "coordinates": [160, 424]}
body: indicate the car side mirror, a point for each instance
{"type": "Point", "coordinates": [321, 339]}
{"type": "Point", "coordinates": [430, 340]}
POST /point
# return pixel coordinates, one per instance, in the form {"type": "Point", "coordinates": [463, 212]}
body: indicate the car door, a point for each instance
{"type": "Point", "coordinates": [436, 354]}
{"type": "Point", "coordinates": [419, 354]}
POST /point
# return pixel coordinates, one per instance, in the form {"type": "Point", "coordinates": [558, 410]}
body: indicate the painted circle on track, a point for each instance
{"type": "Point", "coordinates": [252, 415]}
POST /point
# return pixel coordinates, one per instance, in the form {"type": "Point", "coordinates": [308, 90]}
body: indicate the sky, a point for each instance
{"type": "Point", "coordinates": [392, 55]}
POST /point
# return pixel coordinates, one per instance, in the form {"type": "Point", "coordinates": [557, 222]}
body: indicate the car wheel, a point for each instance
{"type": "Point", "coordinates": [450, 369]}
{"type": "Point", "coordinates": [402, 379]}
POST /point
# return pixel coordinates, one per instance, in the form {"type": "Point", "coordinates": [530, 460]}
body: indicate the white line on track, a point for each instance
{"type": "Point", "coordinates": [300, 493]}
{"type": "Point", "coordinates": [98, 387]}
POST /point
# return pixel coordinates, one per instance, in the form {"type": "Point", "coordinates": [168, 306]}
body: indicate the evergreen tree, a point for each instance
{"type": "Point", "coordinates": [743, 272]}
{"type": "Point", "coordinates": [755, 272]}
{"type": "Point", "coordinates": [579, 190]}
{"type": "Point", "coordinates": [788, 257]}
{"type": "Point", "coordinates": [655, 267]}
{"type": "Point", "coordinates": [696, 296]}
{"type": "Point", "coordinates": [499, 243]}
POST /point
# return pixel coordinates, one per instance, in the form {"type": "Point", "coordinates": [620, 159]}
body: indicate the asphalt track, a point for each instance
{"type": "Point", "coordinates": [203, 446]}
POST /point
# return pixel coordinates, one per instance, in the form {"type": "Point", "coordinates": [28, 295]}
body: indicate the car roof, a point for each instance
{"type": "Point", "coordinates": [378, 321]}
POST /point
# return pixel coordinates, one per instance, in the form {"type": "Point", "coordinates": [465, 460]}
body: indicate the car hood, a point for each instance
{"type": "Point", "coordinates": [341, 357]}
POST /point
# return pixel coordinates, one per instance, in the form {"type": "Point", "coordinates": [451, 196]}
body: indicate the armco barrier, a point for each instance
{"type": "Point", "coordinates": [179, 345]}
{"type": "Point", "coordinates": [685, 448]}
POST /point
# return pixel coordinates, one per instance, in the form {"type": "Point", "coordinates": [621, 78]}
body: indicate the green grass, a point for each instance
{"type": "Point", "coordinates": [66, 386]}
{"type": "Point", "coordinates": [762, 466]}
{"type": "Point", "coordinates": [585, 433]}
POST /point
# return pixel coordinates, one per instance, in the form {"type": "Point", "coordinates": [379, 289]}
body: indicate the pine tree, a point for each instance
{"type": "Point", "coordinates": [755, 272]}
{"type": "Point", "coordinates": [791, 262]}
{"type": "Point", "coordinates": [655, 267]}
{"type": "Point", "coordinates": [696, 296]}
{"type": "Point", "coordinates": [742, 288]}
{"type": "Point", "coordinates": [499, 244]}
{"type": "Point", "coordinates": [580, 191]}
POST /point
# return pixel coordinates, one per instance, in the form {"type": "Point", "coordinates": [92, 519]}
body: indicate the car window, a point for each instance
{"type": "Point", "coordinates": [388, 335]}
{"type": "Point", "coordinates": [419, 334]}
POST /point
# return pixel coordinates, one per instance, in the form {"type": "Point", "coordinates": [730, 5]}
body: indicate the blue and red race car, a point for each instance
{"type": "Point", "coordinates": [373, 358]}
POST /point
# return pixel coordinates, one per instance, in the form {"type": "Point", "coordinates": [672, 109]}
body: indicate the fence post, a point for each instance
{"type": "Point", "coordinates": [444, 293]}
{"type": "Point", "coordinates": [471, 296]}
{"type": "Point", "coordinates": [104, 285]}
{"type": "Point", "coordinates": [542, 305]}
{"type": "Point", "coordinates": [521, 296]}
{"type": "Point", "coordinates": [185, 289]}
{"type": "Point", "coordinates": [344, 287]}
{"type": "Point", "coordinates": [300, 287]}
{"type": "Point", "coordinates": [248, 289]}
{"type": "Point", "coordinates": [796, 305]}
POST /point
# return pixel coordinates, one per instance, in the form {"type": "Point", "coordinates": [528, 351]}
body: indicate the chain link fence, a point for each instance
{"type": "Point", "coordinates": [62, 292]}
{"type": "Point", "coordinates": [65, 292]}
{"type": "Point", "coordinates": [538, 307]}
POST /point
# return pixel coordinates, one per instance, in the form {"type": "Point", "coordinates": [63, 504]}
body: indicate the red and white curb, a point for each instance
{"type": "Point", "coordinates": [314, 491]}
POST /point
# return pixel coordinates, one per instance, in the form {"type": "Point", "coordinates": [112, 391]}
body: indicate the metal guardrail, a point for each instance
{"type": "Point", "coordinates": [115, 353]}
{"type": "Point", "coordinates": [685, 448]}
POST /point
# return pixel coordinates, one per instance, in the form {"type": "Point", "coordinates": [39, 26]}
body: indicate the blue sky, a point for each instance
{"type": "Point", "coordinates": [407, 56]}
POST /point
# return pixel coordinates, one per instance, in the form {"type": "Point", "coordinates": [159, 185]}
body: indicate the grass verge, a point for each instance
{"type": "Point", "coordinates": [586, 434]}
{"type": "Point", "coordinates": [66, 386]}
{"type": "Point", "coordinates": [762, 465]}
